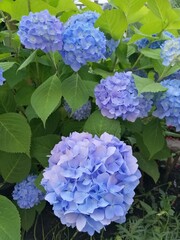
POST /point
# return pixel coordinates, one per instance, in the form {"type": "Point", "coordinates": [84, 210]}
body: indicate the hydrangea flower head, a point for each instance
{"type": "Point", "coordinates": [82, 42]}
{"type": "Point", "coordinates": [117, 96]}
{"type": "Point", "coordinates": [81, 113]}
{"type": "Point", "coordinates": [168, 103]}
{"type": "Point", "coordinates": [41, 31]}
{"type": "Point", "coordinates": [170, 52]}
{"type": "Point", "coordinates": [27, 194]}
{"type": "Point", "coordinates": [2, 79]}
{"type": "Point", "coordinates": [90, 180]}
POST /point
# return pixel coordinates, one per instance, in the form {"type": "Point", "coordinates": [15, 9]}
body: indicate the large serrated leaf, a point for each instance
{"type": "Point", "coordinates": [147, 85]}
{"type": "Point", "coordinates": [92, 6]}
{"type": "Point", "coordinates": [97, 124]}
{"type": "Point", "coordinates": [7, 101]}
{"type": "Point", "coordinates": [27, 218]}
{"type": "Point", "coordinates": [159, 7]}
{"type": "Point", "coordinates": [47, 97]}
{"type": "Point", "coordinates": [9, 220]}
{"type": "Point", "coordinates": [75, 91]}
{"type": "Point", "coordinates": [153, 137]}
{"type": "Point", "coordinates": [113, 22]}
{"type": "Point", "coordinates": [14, 167]}
{"type": "Point", "coordinates": [6, 65]}
{"type": "Point", "coordinates": [42, 146]}
{"type": "Point", "coordinates": [149, 167]}
{"type": "Point", "coordinates": [15, 133]}
{"type": "Point", "coordinates": [28, 60]}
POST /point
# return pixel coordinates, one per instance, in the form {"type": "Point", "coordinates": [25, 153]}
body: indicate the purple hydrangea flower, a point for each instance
{"type": "Point", "coordinates": [117, 96]}
{"type": "Point", "coordinates": [27, 194]}
{"type": "Point", "coordinates": [90, 180]}
{"type": "Point", "coordinates": [2, 79]}
{"type": "Point", "coordinates": [41, 31]}
{"type": "Point", "coordinates": [82, 42]}
{"type": "Point", "coordinates": [168, 103]}
{"type": "Point", "coordinates": [170, 52]}
{"type": "Point", "coordinates": [81, 113]}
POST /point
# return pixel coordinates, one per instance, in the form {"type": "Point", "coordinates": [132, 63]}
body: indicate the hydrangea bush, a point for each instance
{"type": "Point", "coordinates": [87, 99]}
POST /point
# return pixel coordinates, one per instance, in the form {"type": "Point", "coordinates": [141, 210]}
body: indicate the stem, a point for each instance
{"type": "Point", "coordinates": [114, 63]}
{"type": "Point", "coordinates": [136, 62]}
{"type": "Point", "coordinates": [172, 134]}
{"type": "Point", "coordinates": [38, 73]}
{"type": "Point", "coordinates": [29, 5]}
{"type": "Point", "coordinates": [51, 57]}
{"type": "Point", "coordinates": [8, 27]}
{"type": "Point", "coordinates": [35, 225]}
{"type": "Point", "coordinates": [74, 235]}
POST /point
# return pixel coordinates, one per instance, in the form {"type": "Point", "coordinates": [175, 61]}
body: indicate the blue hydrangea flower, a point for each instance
{"type": "Point", "coordinates": [82, 42]}
{"type": "Point", "coordinates": [41, 31]}
{"type": "Point", "coordinates": [170, 52]}
{"type": "Point", "coordinates": [111, 46]}
{"type": "Point", "coordinates": [90, 180]}
{"type": "Point", "coordinates": [81, 113]}
{"type": "Point", "coordinates": [2, 79]}
{"type": "Point", "coordinates": [107, 6]}
{"type": "Point", "coordinates": [117, 96]}
{"type": "Point", "coordinates": [27, 194]}
{"type": "Point", "coordinates": [168, 103]}
{"type": "Point", "coordinates": [144, 42]}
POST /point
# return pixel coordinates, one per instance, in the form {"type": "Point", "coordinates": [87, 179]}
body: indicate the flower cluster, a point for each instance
{"type": "Point", "coordinates": [90, 180]}
{"type": "Point", "coordinates": [27, 194]}
{"type": "Point", "coordinates": [82, 42]}
{"type": "Point", "coordinates": [168, 103]}
{"type": "Point", "coordinates": [117, 96]}
{"type": "Point", "coordinates": [41, 31]}
{"type": "Point", "coordinates": [170, 52]}
{"type": "Point", "coordinates": [81, 113]}
{"type": "Point", "coordinates": [2, 79]}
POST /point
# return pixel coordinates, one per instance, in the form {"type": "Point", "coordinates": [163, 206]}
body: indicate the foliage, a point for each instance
{"type": "Point", "coordinates": [36, 82]}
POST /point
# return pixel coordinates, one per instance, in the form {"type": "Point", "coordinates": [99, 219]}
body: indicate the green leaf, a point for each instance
{"type": "Point", "coordinates": [13, 77]}
{"type": "Point", "coordinates": [153, 137]}
{"type": "Point", "coordinates": [70, 126]}
{"type": "Point", "coordinates": [75, 92]}
{"type": "Point", "coordinates": [92, 6]}
{"type": "Point", "coordinates": [27, 218]}
{"type": "Point", "coordinates": [147, 85]}
{"type": "Point", "coordinates": [149, 167]}
{"type": "Point", "coordinates": [42, 146]}
{"type": "Point", "coordinates": [160, 8]}
{"type": "Point", "coordinates": [6, 65]}
{"type": "Point", "coordinates": [113, 22]}
{"type": "Point", "coordinates": [151, 53]}
{"type": "Point", "coordinates": [7, 101]}
{"type": "Point", "coordinates": [97, 124]}
{"type": "Point", "coordinates": [14, 167]}
{"type": "Point", "coordinates": [68, 5]}
{"type": "Point", "coordinates": [29, 60]}
{"type": "Point", "coordinates": [47, 97]}
{"type": "Point", "coordinates": [15, 133]}
{"type": "Point", "coordinates": [9, 220]}
{"type": "Point", "coordinates": [4, 56]}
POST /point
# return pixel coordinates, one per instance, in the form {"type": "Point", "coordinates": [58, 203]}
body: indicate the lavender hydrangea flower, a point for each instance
{"type": "Point", "coordinates": [27, 194]}
{"type": "Point", "coordinates": [82, 42]}
{"type": "Point", "coordinates": [117, 96]}
{"type": "Point", "coordinates": [41, 31]}
{"type": "Point", "coordinates": [90, 180]}
{"type": "Point", "coordinates": [170, 52]}
{"type": "Point", "coordinates": [81, 113]}
{"type": "Point", "coordinates": [2, 79]}
{"type": "Point", "coordinates": [168, 103]}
